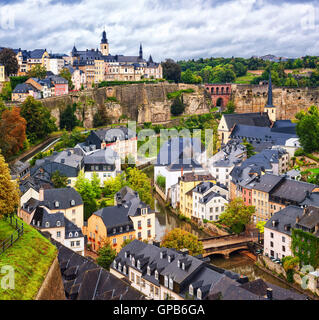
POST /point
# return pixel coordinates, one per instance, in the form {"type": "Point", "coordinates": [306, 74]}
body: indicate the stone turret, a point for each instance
{"type": "Point", "coordinates": [270, 108]}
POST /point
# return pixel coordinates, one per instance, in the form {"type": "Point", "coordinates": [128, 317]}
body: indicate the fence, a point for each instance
{"type": "Point", "coordinates": [18, 232]}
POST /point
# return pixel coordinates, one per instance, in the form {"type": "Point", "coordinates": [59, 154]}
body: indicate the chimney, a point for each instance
{"type": "Point", "coordinates": [182, 171]}
{"type": "Point", "coordinates": [41, 194]}
{"type": "Point", "coordinates": [297, 219]}
{"type": "Point", "coordinates": [269, 293]}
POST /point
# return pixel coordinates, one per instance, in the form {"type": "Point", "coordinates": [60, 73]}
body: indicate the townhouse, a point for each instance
{"type": "Point", "coordinates": [209, 201]}
{"type": "Point", "coordinates": [65, 200]}
{"type": "Point", "coordinates": [187, 182]}
{"type": "Point", "coordinates": [60, 228]}
{"type": "Point", "coordinates": [128, 220]}
{"type": "Point", "coordinates": [105, 163]}
{"type": "Point", "coordinates": [121, 140]}
{"type": "Point", "coordinates": [23, 90]}
{"type": "Point", "coordinates": [167, 274]}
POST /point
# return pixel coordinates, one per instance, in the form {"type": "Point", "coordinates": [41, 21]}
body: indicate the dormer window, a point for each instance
{"type": "Point", "coordinates": [47, 224]}
{"type": "Point", "coordinates": [127, 228]}
{"type": "Point", "coordinates": [191, 290]}
{"type": "Point", "coordinates": [114, 231]}
{"type": "Point", "coordinates": [58, 223]}
{"type": "Point", "coordinates": [148, 271]}
{"type": "Point", "coordinates": [76, 234]}
{"type": "Point", "coordinates": [156, 274]}
{"type": "Point", "coordinates": [124, 269]}
{"type": "Point", "coordinates": [121, 229]}
{"type": "Point", "coordinates": [114, 264]}
{"type": "Point", "coordinates": [133, 262]}
{"type": "Point", "coordinates": [166, 281]}
{"type": "Point", "coordinates": [72, 203]}
{"type": "Point", "coordinates": [183, 266]}
{"type": "Point", "coordinates": [171, 283]}
{"type": "Point", "coordinates": [178, 264]}
{"type": "Point", "coordinates": [119, 267]}
{"type": "Point", "coordinates": [70, 235]}
{"type": "Point", "coordinates": [57, 204]}
{"type": "Point", "coordinates": [199, 294]}
{"type": "Point", "coordinates": [138, 264]}
{"type": "Point", "coordinates": [125, 254]}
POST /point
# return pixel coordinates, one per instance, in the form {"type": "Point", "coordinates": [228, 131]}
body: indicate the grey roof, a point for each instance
{"type": "Point", "coordinates": [63, 196]}
{"type": "Point", "coordinates": [103, 156]}
{"type": "Point", "coordinates": [203, 187]}
{"type": "Point", "coordinates": [85, 280]}
{"type": "Point", "coordinates": [283, 218]}
{"type": "Point", "coordinates": [311, 200]}
{"type": "Point", "coordinates": [30, 205]}
{"type": "Point", "coordinates": [126, 194]}
{"type": "Point", "coordinates": [267, 182]}
{"type": "Point", "coordinates": [309, 220]}
{"type": "Point", "coordinates": [45, 220]}
{"type": "Point", "coordinates": [37, 53]}
{"type": "Point", "coordinates": [72, 230]}
{"type": "Point", "coordinates": [249, 119]}
{"type": "Point", "coordinates": [211, 195]}
{"type": "Point", "coordinates": [261, 134]}
{"type": "Point", "coordinates": [24, 88]}
{"type": "Point", "coordinates": [293, 190]}
{"type": "Point", "coordinates": [177, 149]}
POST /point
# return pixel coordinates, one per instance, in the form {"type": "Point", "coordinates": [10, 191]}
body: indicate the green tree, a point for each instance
{"type": "Point", "coordinates": [114, 185]}
{"type": "Point", "coordinates": [230, 107]}
{"type": "Point", "coordinates": [66, 74]}
{"type": "Point", "coordinates": [139, 182]}
{"type": "Point", "coordinates": [249, 147]}
{"type": "Point", "coordinates": [178, 106]}
{"type": "Point", "coordinates": [59, 180]}
{"type": "Point", "coordinates": [9, 191]}
{"type": "Point", "coordinates": [106, 255]}
{"type": "Point", "coordinates": [68, 119]}
{"type": "Point", "coordinates": [161, 181]}
{"type": "Point", "coordinates": [179, 239]}
{"type": "Point", "coordinates": [237, 215]}
{"type": "Point", "coordinates": [308, 129]}
{"type": "Point", "coordinates": [171, 70]}
{"type": "Point", "coordinates": [9, 60]}
{"type": "Point", "coordinates": [261, 226]}
{"type": "Point", "coordinates": [223, 74]}
{"type": "Point", "coordinates": [39, 121]}
{"type": "Point", "coordinates": [37, 71]}
{"type": "Point", "coordinates": [6, 91]}
{"type": "Point", "coordinates": [96, 185]}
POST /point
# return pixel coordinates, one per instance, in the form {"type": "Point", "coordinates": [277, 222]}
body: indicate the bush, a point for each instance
{"type": "Point", "coordinates": [300, 152]}
{"type": "Point", "coordinates": [177, 107]}
{"type": "Point", "coordinates": [161, 181]}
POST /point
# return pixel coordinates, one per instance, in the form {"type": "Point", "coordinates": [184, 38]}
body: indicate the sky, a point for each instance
{"type": "Point", "coordinates": [177, 29]}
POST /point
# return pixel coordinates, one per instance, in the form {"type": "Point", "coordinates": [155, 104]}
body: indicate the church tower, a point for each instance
{"type": "Point", "coordinates": [141, 52]}
{"type": "Point", "coordinates": [270, 108]}
{"type": "Point", "coordinates": [104, 46]}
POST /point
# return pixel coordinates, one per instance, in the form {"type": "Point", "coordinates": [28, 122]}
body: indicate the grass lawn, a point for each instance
{"type": "Point", "coordinates": [5, 230]}
{"type": "Point", "coordinates": [245, 79]}
{"type": "Point", "coordinates": [31, 257]}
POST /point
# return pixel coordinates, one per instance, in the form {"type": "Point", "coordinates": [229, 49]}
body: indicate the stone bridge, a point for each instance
{"type": "Point", "coordinates": [225, 245]}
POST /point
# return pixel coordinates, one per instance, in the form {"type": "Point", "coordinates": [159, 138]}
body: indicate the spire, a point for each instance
{"type": "Point", "coordinates": [74, 49]}
{"type": "Point", "coordinates": [104, 40]}
{"type": "Point", "coordinates": [269, 90]}
{"type": "Point", "coordinates": [150, 60]}
{"type": "Point", "coordinates": [141, 52]}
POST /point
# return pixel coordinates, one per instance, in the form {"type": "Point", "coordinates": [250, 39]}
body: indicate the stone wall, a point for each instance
{"type": "Point", "coordinates": [52, 287]}
{"type": "Point", "coordinates": [139, 102]}
{"type": "Point", "coordinates": [253, 98]}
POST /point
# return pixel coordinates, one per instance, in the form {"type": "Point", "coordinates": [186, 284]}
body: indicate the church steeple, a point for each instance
{"type": "Point", "coordinates": [269, 90]}
{"type": "Point", "coordinates": [104, 40]}
{"type": "Point", "coordinates": [270, 108]}
{"type": "Point", "coordinates": [150, 60]}
{"type": "Point", "coordinates": [104, 46]}
{"type": "Point", "coordinates": [141, 52]}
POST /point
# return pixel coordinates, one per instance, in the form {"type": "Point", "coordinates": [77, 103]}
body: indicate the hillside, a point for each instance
{"type": "Point", "coordinates": [31, 257]}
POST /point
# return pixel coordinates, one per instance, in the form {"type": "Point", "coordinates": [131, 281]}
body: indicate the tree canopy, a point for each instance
{"type": "Point", "coordinates": [171, 70]}
{"type": "Point", "coordinates": [9, 191]}
{"type": "Point", "coordinates": [9, 60]}
{"type": "Point", "coordinates": [106, 255]}
{"type": "Point", "coordinates": [180, 239]}
{"type": "Point", "coordinates": [237, 215]}
{"type": "Point", "coordinates": [37, 71]}
{"type": "Point", "coordinates": [59, 180]}
{"type": "Point", "coordinates": [68, 120]}
{"type": "Point", "coordinates": [308, 129]}
{"type": "Point", "coordinates": [39, 121]}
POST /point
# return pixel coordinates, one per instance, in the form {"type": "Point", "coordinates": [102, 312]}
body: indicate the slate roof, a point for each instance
{"type": "Point", "coordinates": [110, 134]}
{"type": "Point", "coordinates": [293, 190]}
{"type": "Point", "coordinates": [261, 134]}
{"type": "Point", "coordinates": [309, 220]}
{"type": "Point", "coordinates": [24, 88]}
{"type": "Point", "coordinates": [85, 280]}
{"type": "Point", "coordinates": [45, 220]}
{"type": "Point", "coordinates": [249, 119]}
{"type": "Point", "coordinates": [211, 195]}
{"type": "Point", "coordinates": [283, 218]}
{"type": "Point", "coordinates": [103, 156]}
{"type": "Point", "coordinates": [30, 205]}
{"type": "Point", "coordinates": [64, 196]}
{"type": "Point", "coordinates": [192, 176]}
{"type": "Point", "coordinates": [178, 149]}
{"type": "Point", "coordinates": [37, 53]}
{"type": "Point", "coordinates": [311, 200]}
{"type": "Point", "coordinates": [267, 182]}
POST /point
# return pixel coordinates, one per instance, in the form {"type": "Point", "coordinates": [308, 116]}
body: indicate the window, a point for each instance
{"type": "Point", "coordinates": [138, 264]}
{"type": "Point", "coordinates": [283, 248]}
{"type": "Point", "coordinates": [148, 222]}
{"type": "Point", "coordinates": [132, 277]}
{"type": "Point", "coordinates": [139, 224]}
{"type": "Point", "coordinates": [70, 235]}
{"type": "Point", "coordinates": [156, 274]}
{"type": "Point", "coordinates": [121, 229]}
{"type": "Point", "coordinates": [58, 223]}
{"type": "Point", "coordinates": [166, 281]}
{"type": "Point", "coordinates": [127, 228]}
{"type": "Point", "coordinates": [139, 235]}
{"type": "Point", "coordinates": [114, 230]}
{"type": "Point", "coordinates": [47, 224]}
{"type": "Point", "coordinates": [149, 233]}
{"type": "Point", "coordinates": [72, 243]}
{"type": "Point", "coordinates": [156, 291]}
{"type": "Point", "coordinates": [199, 294]}
{"type": "Point", "coordinates": [58, 234]}
{"type": "Point", "coordinates": [171, 283]}
{"type": "Point", "coordinates": [148, 270]}
{"type": "Point", "coordinates": [271, 235]}
{"type": "Point", "coordinates": [271, 244]}
{"type": "Point", "coordinates": [124, 269]}
{"type": "Point", "coordinates": [138, 280]}
{"type": "Point", "coordinates": [283, 239]}
{"type": "Point", "coordinates": [76, 234]}
{"type": "Point", "coordinates": [191, 290]}
{"type": "Point", "coordinates": [78, 243]}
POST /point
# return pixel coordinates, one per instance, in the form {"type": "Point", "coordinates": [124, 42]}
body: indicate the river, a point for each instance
{"type": "Point", "coordinates": [167, 221]}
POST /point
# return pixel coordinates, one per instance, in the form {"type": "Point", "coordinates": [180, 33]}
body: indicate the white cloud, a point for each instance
{"type": "Point", "coordinates": [177, 28]}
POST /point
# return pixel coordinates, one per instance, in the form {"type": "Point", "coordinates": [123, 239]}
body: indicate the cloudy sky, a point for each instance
{"type": "Point", "coordinates": [178, 29]}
